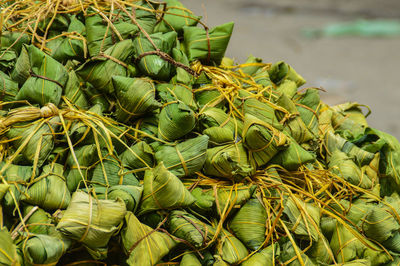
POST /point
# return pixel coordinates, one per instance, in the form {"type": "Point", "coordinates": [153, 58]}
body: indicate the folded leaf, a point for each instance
{"type": "Point", "coordinates": [176, 120]}
{"type": "Point", "coordinates": [47, 78]}
{"type": "Point", "coordinates": [135, 97]}
{"type": "Point", "coordinates": [207, 46]}
{"type": "Point", "coordinates": [92, 222]}
{"type": "Point", "coordinates": [163, 190]}
{"type": "Point", "coordinates": [142, 244]}
{"type": "Point", "coordinates": [249, 224]}
{"type": "Point", "coordinates": [49, 191]}
{"type": "Point", "coordinates": [228, 161]}
{"type": "Point", "coordinates": [184, 159]}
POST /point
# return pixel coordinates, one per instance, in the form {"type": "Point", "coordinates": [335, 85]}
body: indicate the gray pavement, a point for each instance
{"type": "Point", "coordinates": [365, 70]}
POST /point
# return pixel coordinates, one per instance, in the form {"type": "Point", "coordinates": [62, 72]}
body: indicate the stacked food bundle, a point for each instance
{"type": "Point", "coordinates": [127, 138]}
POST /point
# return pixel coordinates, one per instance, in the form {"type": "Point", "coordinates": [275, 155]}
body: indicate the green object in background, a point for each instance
{"type": "Point", "coordinates": [364, 28]}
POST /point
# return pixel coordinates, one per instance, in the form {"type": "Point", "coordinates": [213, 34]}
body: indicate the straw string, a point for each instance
{"type": "Point", "coordinates": [45, 78]}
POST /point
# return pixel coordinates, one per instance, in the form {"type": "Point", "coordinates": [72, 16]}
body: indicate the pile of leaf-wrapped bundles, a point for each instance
{"type": "Point", "coordinates": [127, 138]}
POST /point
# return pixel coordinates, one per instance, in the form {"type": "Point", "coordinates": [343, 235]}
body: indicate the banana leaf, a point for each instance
{"type": "Point", "coordinates": [8, 59]}
{"type": "Point", "coordinates": [359, 263]}
{"type": "Point", "coordinates": [142, 244]}
{"type": "Point", "coordinates": [92, 222]}
{"type": "Point", "coordinates": [184, 159]}
{"type": "Point", "coordinates": [190, 259]}
{"type": "Point", "coordinates": [49, 191]}
{"type": "Point", "coordinates": [389, 148]}
{"type": "Point", "coordinates": [80, 131]}
{"type": "Point", "coordinates": [343, 166]}
{"type": "Point", "coordinates": [182, 76]}
{"type": "Point", "coordinates": [204, 201]}
{"type": "Point", "coordinates": [288, 255]}
{"type": "Point", "coordinates": [135, 97]}
{"type": "Point", "coordinates": [8, 251]}
{"type": "Point", "coordinates": [347, 127]}
{"type": "Point", "coordinates": [333, 142]}
{"type": "Point", "coordinates": [153, 219]}
{"type": "Point", "coordinates": [60, 23]}
{"type": "Point", "coordinates": [208, 46]}
{"type": "Point", "coordinates": [163, 190]}
{"type": "Point", "coordinates": [9, 88]}
{"type": "Point", "coordinates": [249, 224]}
{"type": "Point", "coordinates": [262, 140]}
{"type": "Point", "coordinates": [227, 62]}
{"type": "Point", "coordinates": [320, 252]}
{"type": "Point", "coordinates": [241, 96]}
{"type": "Point", "coordinates": [86, 156]}
{"type": "Point", "coordinates": [294, 125]}
{"type": "Point", "coordinates": [393, 200]}
{"type": "Point", "coordinates": [139, 157]}
{"type": "Point", "coordinates": [393, 243]}
{"type": "Point", "coordinates": [232, 196]}
{"type": "Point", "coordinates": [261, 76]}
{"type": "Point", "coordinates": [99, 70]}
{"type": "Point", "coordinates": [219, 261]}
{"type": "Point", "coordinates": [94, 97]}
{"type": "Point", "coordinates": [263, 111]}
{"type": "Point", "coordinates": [109, 172]}
{"type": "Point", "coordinates": [216, 117]}
{"type": "Point", "coordinates": [39, 137]}
{"type": "Point", "coordinates": [353, 111]}
{"type": "Point", "coordinates": [281, 71]}
{"type": "Point", "coordinates": [325, 121]}
{"type": "Point", "coordinates": [346, 245]}
{"type": "Point", "coordinates": [230, 248]}
{"type": "Point", "coordinates": [309, 104]}
{"type": "Point", "coordinates": [14, 39]}
{"type": "Point", "coordinates": [303, 218]}
{"type": "Point", "coordinates": [147, 126]}
{"type": "Point", "coordinates": [176, 92]}
{"type": "Point", "coordinates": [293, 157]}
{"type": "Point", "coordinates": [17, 176]}
{"type": "Point", "coordinates": [74, 45]}
{"type": "Point", "coordinates": [176, 120]}
{"type": "Point", "coordinates": [251, 65]}
{"type": "Point", "coordinates": [39, 222]}
{"type": "Point", "coordinates": [111, 136]}
{"type": "Point", "coordinates": [228, 161]}
{"type": "Point", "coordinates": [153, 65]}
{"type": "Point", "coordinates": [395, 262]}
{"type": "Point", "coordinates": [54, 41]}
{"type": "Point", "coordinates": [44, 249]}
{"type": "Point", "coordinates": [380, 223]}
{"type": "Point", "coordinates": [100, 36]}
{"type": "Point", "coordinates": [47, 78]}
{"type": "Point", "coordinates": [287, 87]}
{"type": "Point", "coordinates": [210, 97]}
{"type": "Point", "coordinates": [265, 257]}
{"type": "Point", "coordinates": [354, 211]}
{"type": "Point", "coordinates": [372, 169]}
{"type": "Point", "coordinates": [328, 226]}
{"type": "Point", "coordinates": [73, 91]}
{"type": "Point", "coordinates": [274, 178]}
{"type": "Point", "coordinates": [219, 135]}
{"type": "Point", "coordinates": [146, 14]}
{"type": "Point", "coordinates": [186, 226]}
{"type": "Point", "coordinates": [131, 195]}
{"type": "Point", "coordinates": [21, 72]}
{"type": "Point", "coordinates": [176, 17]}
{"type": "Point", "coordinates": [3, 190]}
{"type": "Point", "coordinates": [59, 154]}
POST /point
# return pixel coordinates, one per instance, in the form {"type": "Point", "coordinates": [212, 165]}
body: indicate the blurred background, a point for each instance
{"type": "Point", "coordinates": [350, 67]}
